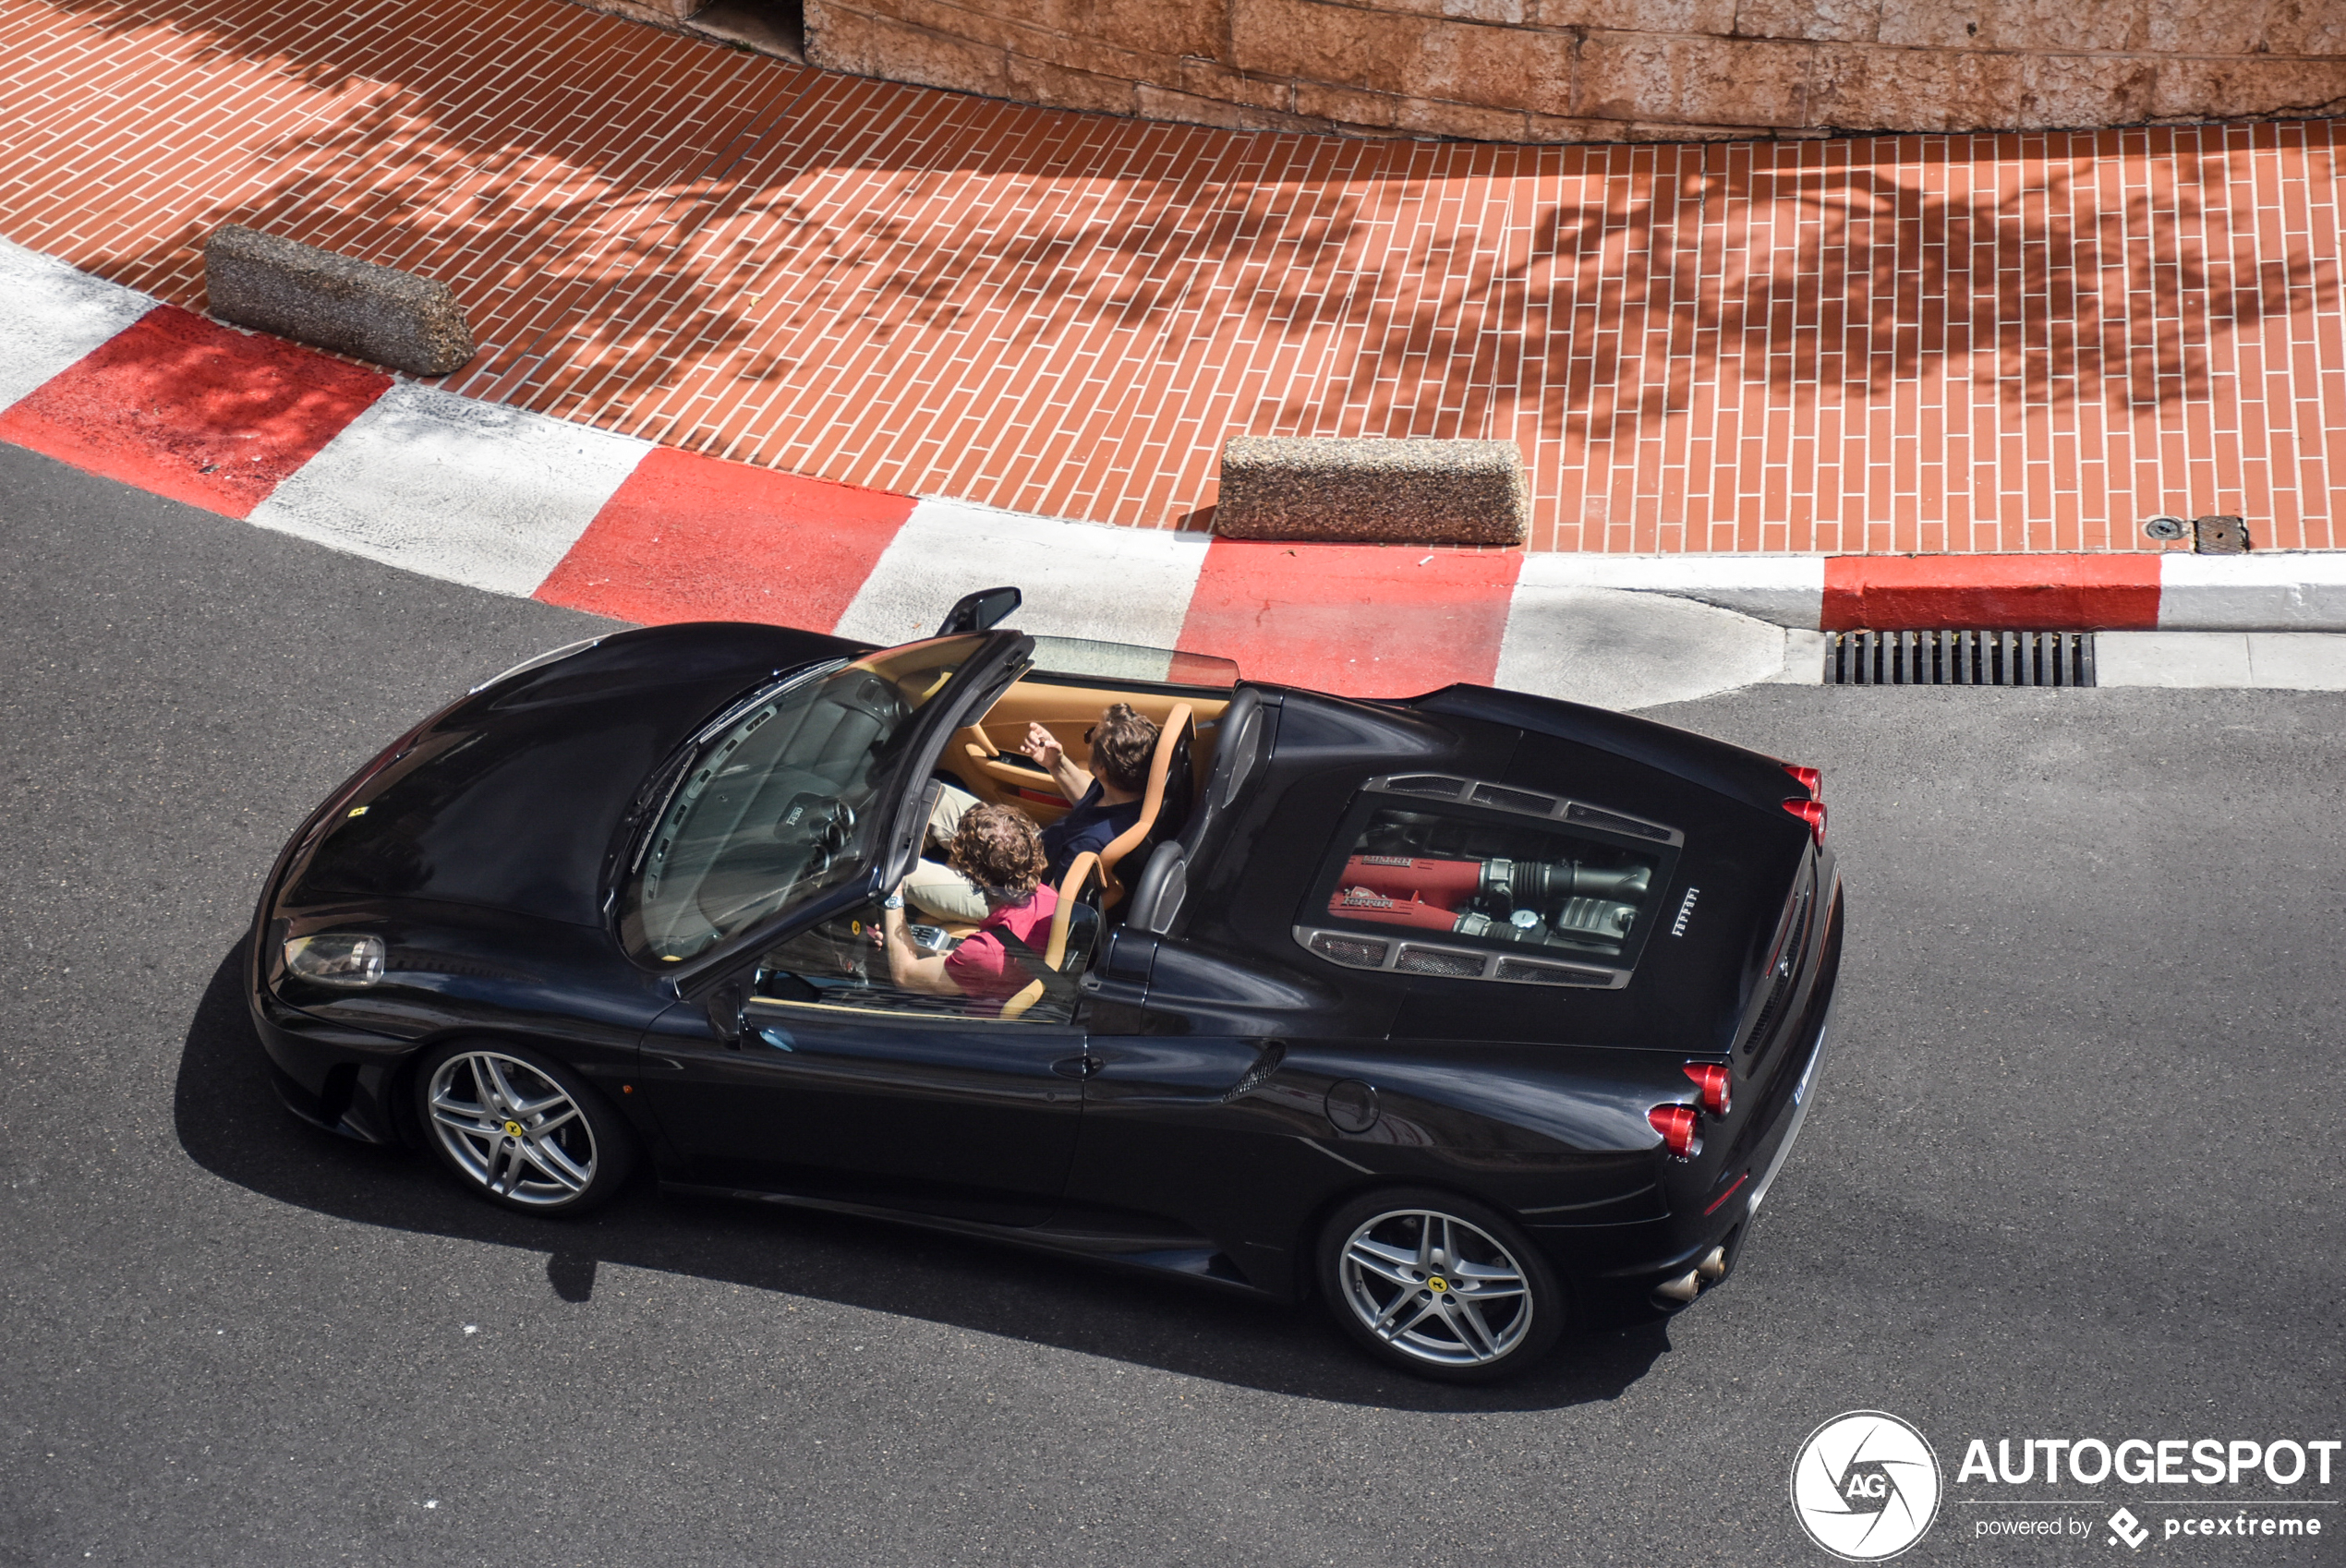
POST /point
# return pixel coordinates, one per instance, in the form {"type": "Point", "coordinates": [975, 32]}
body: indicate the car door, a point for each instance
{"type": "Point", "coordinates": [839, 1088]}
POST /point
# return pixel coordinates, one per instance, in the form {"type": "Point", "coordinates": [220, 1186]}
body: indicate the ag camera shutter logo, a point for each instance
{"type": "Point", "coordinates": [1865, 1486]}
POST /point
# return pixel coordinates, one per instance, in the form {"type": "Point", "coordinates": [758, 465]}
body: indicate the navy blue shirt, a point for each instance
{"type": "Point", "coordinates": [1089, 825]}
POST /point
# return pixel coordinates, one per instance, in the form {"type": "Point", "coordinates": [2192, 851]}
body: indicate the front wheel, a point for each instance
{"type": "Point", "coordinates": [520, 1130]}
{"type": "Point", "coordinates": [1439, 1286]}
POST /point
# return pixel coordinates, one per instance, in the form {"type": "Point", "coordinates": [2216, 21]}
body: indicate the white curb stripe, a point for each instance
{"type": "Point", "coordinates": [1786, 589]}
{"type": "Point", "coordinates": [471, 493]}
{"type": "Point", "coordinates": [2283, 590]}
{"type": "Point", "coordinates": [1612, 648]}
{"type": "Point", "coordinates": [2290, 661]}
{"type": "Point", "coordinates": [55, 316]}
{"type": "Point", "coordinates": [1080, 579]}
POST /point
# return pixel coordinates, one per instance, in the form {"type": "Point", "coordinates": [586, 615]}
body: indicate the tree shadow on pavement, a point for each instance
{"type": "Point", "coordinates": [228, 1119]}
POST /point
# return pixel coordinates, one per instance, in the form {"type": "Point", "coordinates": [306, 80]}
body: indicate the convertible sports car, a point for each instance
{"type": "Point", "coordinates": [1467, 1013]}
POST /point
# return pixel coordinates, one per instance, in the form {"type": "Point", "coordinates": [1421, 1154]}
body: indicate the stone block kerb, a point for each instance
{"type": "Point", "coordinates": [328, 301]}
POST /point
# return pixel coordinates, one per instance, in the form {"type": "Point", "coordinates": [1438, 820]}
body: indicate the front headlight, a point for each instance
{"type": "Point", "coordinates": [336, 958]}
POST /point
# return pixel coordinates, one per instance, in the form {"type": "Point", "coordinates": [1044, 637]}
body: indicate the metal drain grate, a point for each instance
{"type": "Point", "coordinates": [1959, 658]}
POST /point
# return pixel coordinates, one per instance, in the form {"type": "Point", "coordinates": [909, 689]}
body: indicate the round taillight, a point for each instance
{"type": "Point", "coordinates": [1676, 1123]}
{"type": "Point", "coordinates": [1809, 778]}
{"type": "Point", "coordinates": [1810, 811]}
{"type": "Point", "coordinates": [1712, 1081]}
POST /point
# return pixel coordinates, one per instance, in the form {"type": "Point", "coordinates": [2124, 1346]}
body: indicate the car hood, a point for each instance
{"type": "Point", "coordinates": [513, 798]}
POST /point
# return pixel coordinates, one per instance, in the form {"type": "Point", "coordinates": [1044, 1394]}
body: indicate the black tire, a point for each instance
{"type": "Point", "coordinates": [520, 1130]}
{"type": "Point", "coordinates": [1413, 1260]}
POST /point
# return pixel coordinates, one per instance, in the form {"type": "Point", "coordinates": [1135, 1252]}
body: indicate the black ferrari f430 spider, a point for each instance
{"type": "Point", "coordinates": [1466, 1013]}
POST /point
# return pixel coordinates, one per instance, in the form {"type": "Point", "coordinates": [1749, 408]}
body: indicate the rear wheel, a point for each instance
{"type": "Point", "coordinates": [1439, 1286]}
{"type": "Point", "coordinates": [521, 1130]}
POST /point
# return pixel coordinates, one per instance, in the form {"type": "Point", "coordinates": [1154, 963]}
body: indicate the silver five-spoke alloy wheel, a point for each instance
{"type": "Point", "coordinates": [1435, 1288]}
{"type": "Point", "coordinates": [511, 1129]}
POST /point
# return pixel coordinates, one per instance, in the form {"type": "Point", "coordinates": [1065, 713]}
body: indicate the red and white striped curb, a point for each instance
{"type": "Point", "coordinates": [255, 428]}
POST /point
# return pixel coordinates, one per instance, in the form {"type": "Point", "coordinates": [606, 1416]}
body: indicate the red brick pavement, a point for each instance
{"type": "Point", "coordinates": [1987, 343]}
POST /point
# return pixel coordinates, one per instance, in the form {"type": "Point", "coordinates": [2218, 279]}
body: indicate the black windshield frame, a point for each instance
{"type": "Point", "coordinates": [993, 661]}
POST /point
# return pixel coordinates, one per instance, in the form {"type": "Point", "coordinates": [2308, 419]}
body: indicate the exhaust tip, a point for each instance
{"type": "Point", "coordinates": [1714, 1267]}
{"type": "Point", "coordinates": [1679, 1291]}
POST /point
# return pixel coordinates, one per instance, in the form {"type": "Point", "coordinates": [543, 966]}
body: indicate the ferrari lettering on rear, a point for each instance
{"type": "Point", "coordinates": [1685, 908]}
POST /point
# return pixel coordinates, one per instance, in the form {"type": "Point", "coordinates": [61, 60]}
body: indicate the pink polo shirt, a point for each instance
{"type": "Point", "coordinates": [984, 968]}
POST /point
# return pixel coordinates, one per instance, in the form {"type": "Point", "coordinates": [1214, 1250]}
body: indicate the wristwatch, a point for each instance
{"type": "Point", "coordinates": [893, 901]}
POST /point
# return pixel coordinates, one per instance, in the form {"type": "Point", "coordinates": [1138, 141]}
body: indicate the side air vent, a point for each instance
{"type": "Point", "coordinates": [1550, 975]}
{"type": "Point", "coordinates": [1436, 960]}
{"type": "Point", "coordinates": [1258, 1074]}
{"type": "Point", "coordinates": [1513, 799]}
{"type": "Point", "coordinates": [1605, 819]}
{"type": "Point", "coordinates": [1451, 963]}
{"type": "Point", "coordinates": [1425, 784]}
{"type": "Point", "coordinates": [1521, 802]}
{"type": "Point", "coordinates": [1959, 658]}
{"type": "Point", "coordinates": [1351, 950]}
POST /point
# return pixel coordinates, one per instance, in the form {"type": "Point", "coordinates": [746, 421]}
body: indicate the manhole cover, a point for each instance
{"type": "Point", "coordinates": [1959, 658]}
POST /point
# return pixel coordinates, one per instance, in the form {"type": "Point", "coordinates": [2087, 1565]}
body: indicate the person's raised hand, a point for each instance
{"type": "Point", "coordinates": [1042, 746]}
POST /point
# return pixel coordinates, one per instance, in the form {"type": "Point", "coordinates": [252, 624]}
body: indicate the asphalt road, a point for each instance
{"type": "Point", "coordinates": [2074, 1171]}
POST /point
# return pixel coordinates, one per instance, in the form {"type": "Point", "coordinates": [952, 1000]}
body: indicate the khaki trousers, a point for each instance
{"type": "Point", "coordinates": [937, 889]}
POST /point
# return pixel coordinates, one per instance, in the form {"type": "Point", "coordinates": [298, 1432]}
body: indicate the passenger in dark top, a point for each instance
{"type": "Point", "coordinates": [1108, 798]}
{"type": "Point", "coordinates": [1106, 803]}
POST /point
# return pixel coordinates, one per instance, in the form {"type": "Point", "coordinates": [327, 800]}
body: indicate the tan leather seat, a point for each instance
{"type": "Point", "coordinates": [1164, 804]}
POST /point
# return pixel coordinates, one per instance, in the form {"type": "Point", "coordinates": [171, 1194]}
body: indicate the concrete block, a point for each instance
{"type": "Point", "coordinates": [1333, 487]}
{"type": "Point", "coordinates": [328, 301]}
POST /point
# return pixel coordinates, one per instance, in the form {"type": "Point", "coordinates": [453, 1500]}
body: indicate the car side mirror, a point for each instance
{"type": "Point", "coordinates": [980, 612]}
{"type": "Point", "coordinates": [725, 1005]}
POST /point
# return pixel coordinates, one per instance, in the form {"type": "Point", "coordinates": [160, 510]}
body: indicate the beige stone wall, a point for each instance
{"type": "Point", "coordinates": [1611, 70]}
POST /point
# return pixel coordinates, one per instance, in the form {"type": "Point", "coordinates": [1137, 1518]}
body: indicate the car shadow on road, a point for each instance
{"type": "Point", "coordinates": [228, 1119]}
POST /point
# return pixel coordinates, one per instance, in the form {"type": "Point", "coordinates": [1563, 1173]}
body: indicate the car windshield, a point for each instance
{"type": "Point", "coordinates": [777, 805]}
{"type": "Point", "coordinates": [1129, 661]}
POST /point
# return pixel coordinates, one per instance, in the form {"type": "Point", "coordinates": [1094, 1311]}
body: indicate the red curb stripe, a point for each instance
{"type": "Point", "coordinates": [689, 538]}
{"type": "Point", "coordinates": [192, 410]}
{"type": "Point", "coordinates": [1358, 620]}
{"type": "Point", "coordinates": [2015, 593]}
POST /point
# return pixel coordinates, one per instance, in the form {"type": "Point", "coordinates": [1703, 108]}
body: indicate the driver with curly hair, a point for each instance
{"type": "Point", "coordinates": [1104, 802]}
{"type": "Point", "coordinates": [1000, 851]}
